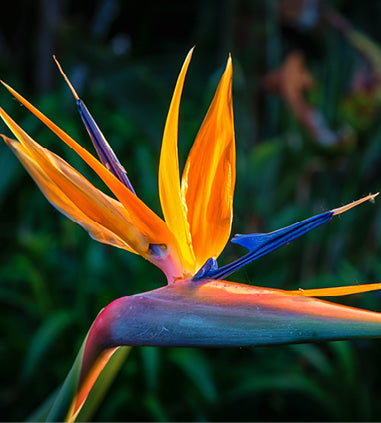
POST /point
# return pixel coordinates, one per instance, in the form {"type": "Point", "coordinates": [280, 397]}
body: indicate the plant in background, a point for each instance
{"type": "Point", "coordinates": [197, 307]}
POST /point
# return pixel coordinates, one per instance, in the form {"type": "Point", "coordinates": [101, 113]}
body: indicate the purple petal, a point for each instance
{"type": "Point", "coordinates": [105, 152]}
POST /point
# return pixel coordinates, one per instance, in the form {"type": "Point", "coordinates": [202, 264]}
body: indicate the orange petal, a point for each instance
{"type": "Point", "coordinates": [209, 176]}
{"type": "Point", "coordinates": [103, 217]}
{"type": "Point", "coordinates": [146, 221]}
{"type": "Point", "coordinates": [172, 203]}
{"type": "Point", "coordinates": [337, 291]}
{"type": "Point", "coordinates": [61, 202]}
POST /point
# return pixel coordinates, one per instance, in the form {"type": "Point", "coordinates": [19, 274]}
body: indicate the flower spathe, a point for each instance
{"type": "Point", "coordinates": [197, 307]}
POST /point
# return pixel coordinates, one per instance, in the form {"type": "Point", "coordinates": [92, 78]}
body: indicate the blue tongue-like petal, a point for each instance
{"type": "Point", "coordinates": [274, 240]}
{"type": "Point", "coordinates": [262, 244]}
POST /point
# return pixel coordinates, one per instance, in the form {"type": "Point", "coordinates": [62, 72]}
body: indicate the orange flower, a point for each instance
{"type": "Point", "coordinates": [197, 308]}
{"type": "Point", "coordinates": [198, 213]}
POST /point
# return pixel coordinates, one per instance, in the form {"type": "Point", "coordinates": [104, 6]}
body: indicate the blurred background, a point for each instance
{"type": "Point", "coordinates": [307, 93]}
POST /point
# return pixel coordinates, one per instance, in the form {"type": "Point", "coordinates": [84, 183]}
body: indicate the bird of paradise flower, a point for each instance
{"type": "Point", "coordinates": [197, 307]}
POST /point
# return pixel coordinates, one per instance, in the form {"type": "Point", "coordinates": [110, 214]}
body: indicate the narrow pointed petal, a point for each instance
{"type": "Point", "coordinates": [105, 152]}
{"type": "Point", "coordinates": [262, 244]}
{"type": "Point", "coordinates": [209, 176]}
{"type": "Point", "coordinates": [152, 227]}
{"type": "Point", "coordinates": [72, 195]}
{"type": "Point", "coordinates": [337, 291]}
{"type": "Point", "coordinates": [104, 218]}
{"type": "Point", "coordinates": [172, 204]}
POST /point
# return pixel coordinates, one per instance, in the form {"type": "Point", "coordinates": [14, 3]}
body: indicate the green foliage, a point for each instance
{"type": "Point", "coordinates": [54, 279]}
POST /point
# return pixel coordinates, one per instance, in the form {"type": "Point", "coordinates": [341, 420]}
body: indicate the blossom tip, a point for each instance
{"type": "Point", "coordinates": [342, 209]}
{"type": "Point", "coordinates": [190, 53]}
{"type": "Point", "coordinates": [66, 78]}
{"type": "Point", "coordinates": [5, 84]}
{"type": "Point", "coordinates": [229, 67]}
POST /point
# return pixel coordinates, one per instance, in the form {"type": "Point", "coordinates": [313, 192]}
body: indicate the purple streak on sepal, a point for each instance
{"type": "Point", "coordinates": [262, 244]}
{"type": "Point", "coordinates": [105, 152]}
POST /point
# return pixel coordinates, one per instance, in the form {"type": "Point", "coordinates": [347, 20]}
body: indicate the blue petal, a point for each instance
{"type": "Point", "coordinates": [209, 266]}
{"type": "Point", "coordinates": [262, 244]}
{"type": "Point", "coordinates": [253, 242]}
{"type": "Point", "coordinates": [105, 152]}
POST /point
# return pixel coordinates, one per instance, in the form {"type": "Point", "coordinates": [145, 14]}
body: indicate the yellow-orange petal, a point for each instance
{"type": "Point", "coordinates": [337, 291]}
{"type": "Point", "coordinates": [103, 217]}
{"type": "Point", "coordinates": [145, 220]}
{"type": "Point", "coordinates": [172, 204]}
{"type": "Point", "coordinates": [209, 175]}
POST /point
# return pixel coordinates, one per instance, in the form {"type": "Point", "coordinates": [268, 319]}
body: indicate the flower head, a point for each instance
{"type": "Point", "coordinates": [197, 308]}
{"type": "Point", "coordinates": [197, 209]}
